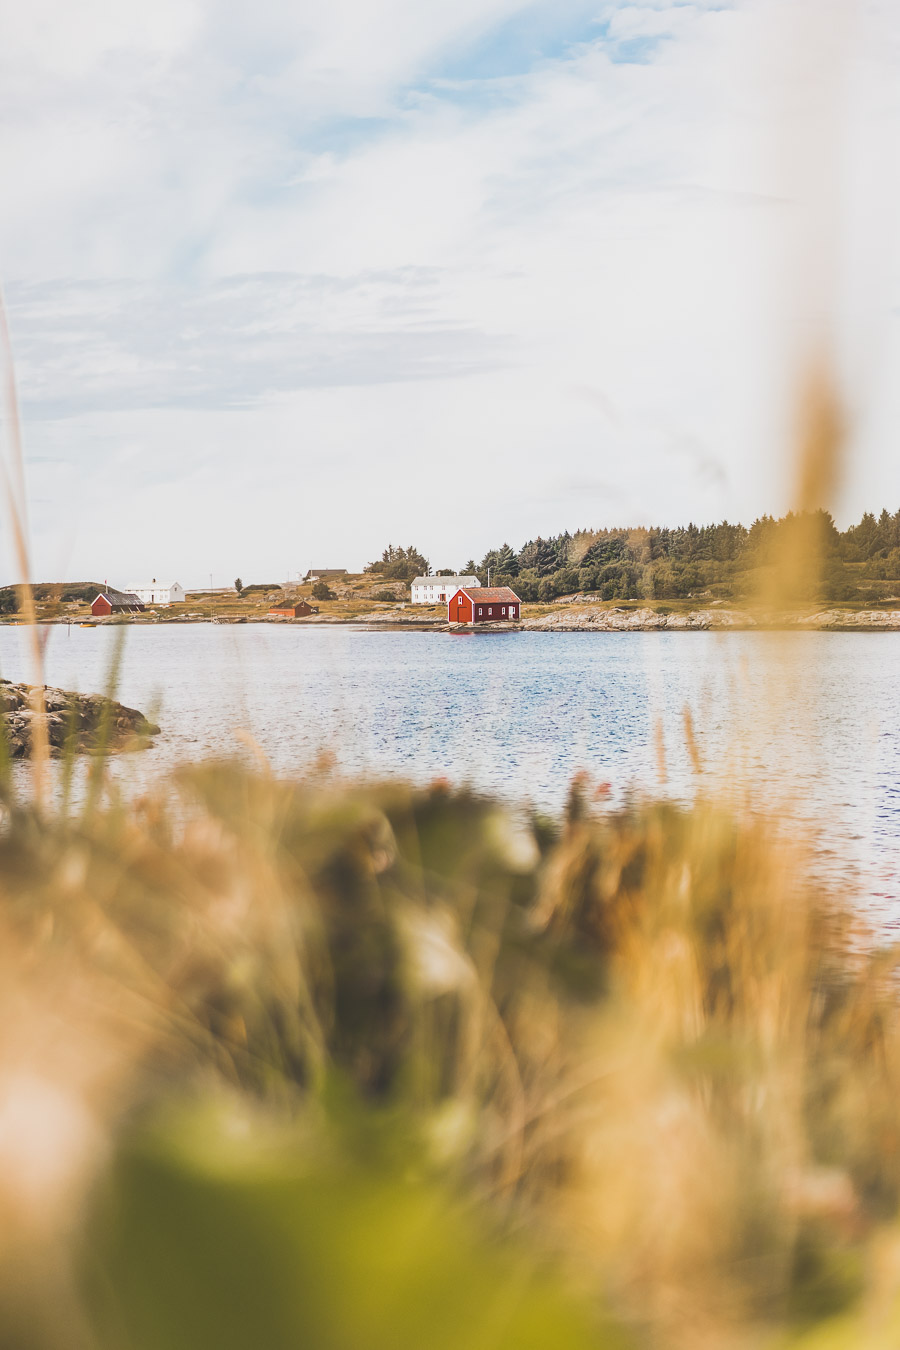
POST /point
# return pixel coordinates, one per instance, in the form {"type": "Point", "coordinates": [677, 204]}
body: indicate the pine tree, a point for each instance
{"type": "Point", "coordinates": [507, 562]}
{"type": "Point", "coordinates": [545, 558]}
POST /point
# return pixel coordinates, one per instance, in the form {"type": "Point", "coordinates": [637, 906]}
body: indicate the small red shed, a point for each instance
{"type": "Point", "coordinates": [115, 602]}
{"type": "Point", "coordinates": [296, 611]}
{"type": "Point", "coordinates": [483, 604]}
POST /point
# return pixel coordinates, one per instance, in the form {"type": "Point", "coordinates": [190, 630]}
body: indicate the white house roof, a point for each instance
{"type": "Point", "coordinates": [445, 581]}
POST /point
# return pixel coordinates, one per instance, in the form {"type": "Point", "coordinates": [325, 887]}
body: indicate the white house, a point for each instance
{"type": "Point", "coordinates": [438, 590]}
{"type": "Point", "coordinates": [156, 593]}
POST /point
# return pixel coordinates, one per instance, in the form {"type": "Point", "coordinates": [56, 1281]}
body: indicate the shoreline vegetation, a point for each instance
{"type": "Point", "coordinates": [347, 1064]}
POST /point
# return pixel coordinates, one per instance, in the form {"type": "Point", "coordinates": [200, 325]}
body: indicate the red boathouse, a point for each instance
{"type": "Point", "coordinates": [483, 604]}
{"type": "Point", "coordinates": [115, 602]}
{"type": "Point", "coordinates": [293, 610]}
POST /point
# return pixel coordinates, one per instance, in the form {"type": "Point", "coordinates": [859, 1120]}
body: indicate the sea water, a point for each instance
{"type": "Point", "coordinates": [803, 724]}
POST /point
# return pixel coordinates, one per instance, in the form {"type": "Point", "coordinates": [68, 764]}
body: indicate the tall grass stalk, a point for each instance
{"type": "Point", "coordinates": [17, 508]}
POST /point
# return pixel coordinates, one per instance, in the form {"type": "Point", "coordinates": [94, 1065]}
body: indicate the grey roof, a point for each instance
{"type": "Point", "coordinates": [445, 581]}
{"type": "Point", "coordinates": [120, 597]}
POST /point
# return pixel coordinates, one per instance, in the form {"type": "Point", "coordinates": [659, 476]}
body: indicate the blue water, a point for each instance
{"type": "Point", "coordinates": [805, 724]}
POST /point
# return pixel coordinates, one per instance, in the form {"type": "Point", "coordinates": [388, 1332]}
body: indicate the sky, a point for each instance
{"type": "Point", "coordinates": [288, 282]}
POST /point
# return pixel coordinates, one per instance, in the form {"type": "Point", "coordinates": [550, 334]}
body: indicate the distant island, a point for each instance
{"type": "Point", "coordinates": [797, 570]}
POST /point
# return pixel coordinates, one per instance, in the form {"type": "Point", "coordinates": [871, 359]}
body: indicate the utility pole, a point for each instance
{"type": "Point", "coordinates": [489, 576]}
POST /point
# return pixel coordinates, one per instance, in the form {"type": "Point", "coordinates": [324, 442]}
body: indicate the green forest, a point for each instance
{"type": "Point", "coordinates": [723, 561]}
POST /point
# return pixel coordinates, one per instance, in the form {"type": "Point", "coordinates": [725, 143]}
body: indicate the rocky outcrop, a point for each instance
{"type": "Point", "coordinates": [401, 618]}
{"type": "Point", "coordinates": [594, 619]}
{"type": "Point", "coordinates": [870, 620]}
{"type": "Point", "coordinates": [79, 723]}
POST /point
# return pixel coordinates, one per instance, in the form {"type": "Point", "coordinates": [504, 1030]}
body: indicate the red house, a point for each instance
{"type": "Point", "coordinates": [298, 610]}
{"type": "Point", "coordinates": [115, 602]}
{"type": "Point", "coordinates": [483, 604]}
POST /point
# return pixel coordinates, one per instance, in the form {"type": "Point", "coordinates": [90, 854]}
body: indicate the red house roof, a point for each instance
{"type": "Point", "coordinates": [489, 594]}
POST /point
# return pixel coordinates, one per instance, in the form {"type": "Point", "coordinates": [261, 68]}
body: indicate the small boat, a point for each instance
{"type": "Point", "coordinates": [87, 625]}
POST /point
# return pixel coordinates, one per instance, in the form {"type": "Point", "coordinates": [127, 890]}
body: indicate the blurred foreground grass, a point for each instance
{"type": "Point", "coordinates": [310, 1064]}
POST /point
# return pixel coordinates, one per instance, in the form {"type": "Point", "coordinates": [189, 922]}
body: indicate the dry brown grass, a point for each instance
{"type": "Point", "coordinates": [649, 1045]}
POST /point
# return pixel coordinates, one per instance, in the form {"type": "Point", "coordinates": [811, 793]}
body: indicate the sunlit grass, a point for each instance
{"type": "Point", "coordinates": [379, 1048]}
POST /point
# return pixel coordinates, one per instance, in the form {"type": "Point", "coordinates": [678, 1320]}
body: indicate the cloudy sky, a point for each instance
{"type": "Point", "coordinates": [287, 281]}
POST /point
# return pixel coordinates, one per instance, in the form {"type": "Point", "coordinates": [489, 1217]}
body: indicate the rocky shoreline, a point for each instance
{"type": "Point", "coordinates": [592, 618]}
{"type": "Point", "coordinates": [579, 618]}
{"type": "Point", "coordinates": [597, 619]}
{"type": "Point", "coordinates": [79, 723]}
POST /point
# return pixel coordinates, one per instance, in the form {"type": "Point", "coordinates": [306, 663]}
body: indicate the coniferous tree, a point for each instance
{"type": "Point", "coordinates": [507, 561]}
{"type": "Point", "coordinates": [400, 564]}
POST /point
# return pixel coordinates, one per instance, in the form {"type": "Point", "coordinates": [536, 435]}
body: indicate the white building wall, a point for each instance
{"type": "Point", "coordinates": [430, 591]}
{"type": "Point", "coordinates": [158, 595]}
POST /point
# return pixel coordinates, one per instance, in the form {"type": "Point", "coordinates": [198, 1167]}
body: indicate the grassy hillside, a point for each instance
{"type": "Point", "coordinates": [358, 594]}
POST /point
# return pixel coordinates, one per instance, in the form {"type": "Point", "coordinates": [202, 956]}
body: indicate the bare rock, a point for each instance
{"type": "Point", "coordinates": [597, 619]}
{"type": "Point", "coordinates": [74, 723]}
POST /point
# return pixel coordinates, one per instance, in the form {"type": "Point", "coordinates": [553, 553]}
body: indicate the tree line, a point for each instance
{"type": "Point", "coordinates": [726, 560]}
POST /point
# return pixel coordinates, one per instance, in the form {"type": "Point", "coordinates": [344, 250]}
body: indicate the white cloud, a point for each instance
{"type": "Point", "coordinates": [70, 42]}
{"type": "Point", "coordinates": [229, 343]}
{"type": "Point", "coordinates": [280, 242]}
